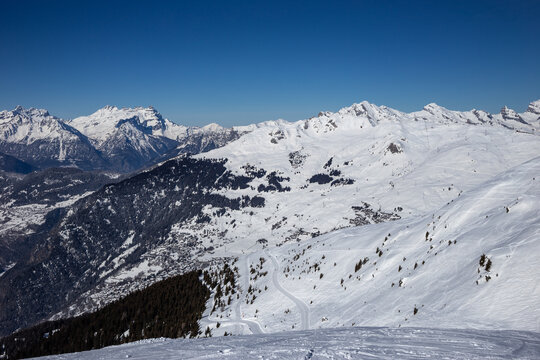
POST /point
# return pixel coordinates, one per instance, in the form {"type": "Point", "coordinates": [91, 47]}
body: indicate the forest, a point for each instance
{"type": "Point", "coordinates": [169, 308]}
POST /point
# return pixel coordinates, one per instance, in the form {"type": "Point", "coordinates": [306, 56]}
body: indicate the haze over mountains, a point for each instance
{"type": "Point", "coordinates": [415, 198]}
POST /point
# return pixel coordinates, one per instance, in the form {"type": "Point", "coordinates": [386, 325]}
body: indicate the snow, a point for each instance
{"type": "Point", "coordinates": [23, 218]}
{"type": "Point", "coordinates": [6, 268]}
{"type": "Point", "coordinates": [129, 273]}
{"type": "Point", "coordinates": [103, 124]}
{"type": "Point", "coordinates": [429, 263]}
{"type": "Point", "coordinates": [409, 165]}
{"type": "Point", "coordinates": [213, 127]}
{"type": "Point", "coordinates": [465, 184]}
{"type": "Point", "coordinates": [25, 126]}
{"type": "Point", "coordinates": [534, 107]}
{"type": "Point", "coordinates": [100, 125]}
{"type": "Point", "coordinates": [441, 156]}
{"type": "Point", "coordinates": [73, 199]}
{"type": "Point", "coordinates": [344, 343]}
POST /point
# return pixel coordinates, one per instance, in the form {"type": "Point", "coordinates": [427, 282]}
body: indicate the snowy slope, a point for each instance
{"type": "Point", "coordinates": [361, 165]}
{"type": "Point", "coordinates": [349, 343]}
{"type": "Point", "coordinates": [405, 164]}
{"type": "Point", "coordinates": [278, 184]}
{"type": "Point", "coordinates": [423, 271]}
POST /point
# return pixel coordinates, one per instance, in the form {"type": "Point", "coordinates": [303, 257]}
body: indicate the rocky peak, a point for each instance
{"type": "Point", "coordinates": [534, 107]}
{"type": "Point", "coordinates": [509, 114]}
{"type": "Point", "coordinates": [434, 108]}
{"type": "Point", "coordinates": [109, 108]}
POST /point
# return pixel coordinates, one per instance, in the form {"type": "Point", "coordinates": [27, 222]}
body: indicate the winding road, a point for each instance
{"type": "Point", "coordinates": [302, 306]}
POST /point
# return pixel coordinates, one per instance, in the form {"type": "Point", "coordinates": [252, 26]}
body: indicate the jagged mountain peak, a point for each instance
{"type": "Point", "coordinates": [355, 115]}
{"type": "Point", "coordinates": [43, 140]}
{"type": "Point", "coordinates": [111, 113]}
{"type": "Point", "coordinates": [123, 139]}
{"type": "Point", "coordinates": [31, 123]}
{"type": "Point", "coordinates": [534, 107]}
{"type": "Point", "coordinates": [26, 113]}
{"type": "Point", "coordinates": [508, 113]}
{"type": "Point", "coordinates": [362, 108]}
{"type": "Point", "coordinates": [360, 116]}
{"type": "Point", "coordinates": [109, 108]}
{"type": "Point", "coordinates": [102, 124]}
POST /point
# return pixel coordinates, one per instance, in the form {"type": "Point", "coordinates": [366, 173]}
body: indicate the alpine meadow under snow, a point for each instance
{"type": "Point", "coordinates": [366, 217]}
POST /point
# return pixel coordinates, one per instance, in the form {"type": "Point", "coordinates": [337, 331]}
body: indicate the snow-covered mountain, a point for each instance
{"type": "Point", "coordinates": [278, 184]}
{"type": "Point", "coordinates": [133, 137]}
{"type": "Point", "coordinates": [470, 264]}
{"type": "Point", "coordinates": [102, 125]}
{"type": "Point", "coordinates": [42, 140]}
{"type": "Point", "coordinates": [115, 139]}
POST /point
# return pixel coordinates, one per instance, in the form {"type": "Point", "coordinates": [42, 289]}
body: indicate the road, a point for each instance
{"type": "Point", "coordinates": [302, 306]}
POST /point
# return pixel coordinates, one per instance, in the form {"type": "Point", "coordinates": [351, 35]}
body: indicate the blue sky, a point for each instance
{"type": "Point", "coordinates": [239, 62]}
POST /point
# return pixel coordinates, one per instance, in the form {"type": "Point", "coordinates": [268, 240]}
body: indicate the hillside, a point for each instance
{"type": "Point", "coordinates": [470, 264]}
{"type": "Point", "coordinates": [11, 164]}
{"type": "Point", "coordinates": [169, 308]}
{"type": "Point", "coordinates": [347, 343]}
{"type": "Point", "coordinates": [278, 184]}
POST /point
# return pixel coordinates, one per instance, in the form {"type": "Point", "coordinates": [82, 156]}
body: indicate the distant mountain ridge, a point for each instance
{"type": "Point", "coordinates": [121, 140]}
{"type": "Point", "coordinates": [42, 140]}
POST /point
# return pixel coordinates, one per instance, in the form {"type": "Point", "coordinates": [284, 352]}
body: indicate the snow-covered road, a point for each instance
{"type": "Point", "coordinates": [302, 306]}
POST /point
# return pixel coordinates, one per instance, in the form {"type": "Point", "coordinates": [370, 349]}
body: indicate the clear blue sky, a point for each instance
{"type": "Point", "coordinates": [238, 62]}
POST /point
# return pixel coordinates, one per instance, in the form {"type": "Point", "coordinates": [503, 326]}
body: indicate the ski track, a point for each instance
{"type": "Point", "coordinates": [253, 326]}
{"type": "Point", "coordinates": [302, 306]}
{"type": "Point", "coordinates": [342, 343]}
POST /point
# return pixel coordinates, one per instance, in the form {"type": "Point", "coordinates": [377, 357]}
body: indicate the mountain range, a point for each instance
{"type": "Point", "coordinates": [365, 216]}
{"type": "Point", "coordinates": [121, 140]}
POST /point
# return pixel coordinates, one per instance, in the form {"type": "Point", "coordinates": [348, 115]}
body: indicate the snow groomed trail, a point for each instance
{"type": "Point", "coordinates": [342, 343]}
{"type": "Point", "coordinates": [302, 306]}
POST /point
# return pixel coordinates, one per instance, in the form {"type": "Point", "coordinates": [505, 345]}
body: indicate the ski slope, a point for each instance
{"type": "Point", "coordinates": [449, 204]}
{"type": "Point", "coordinates": [423, 271]}
{"type": "Point", "coordinates": [405, 164]}
{"type": "Point", "coordinates": [376, 164]}
{"type": "Point", "coordinates": [346, 343]}
{"type": "Point", "coordinates": [300, 305]}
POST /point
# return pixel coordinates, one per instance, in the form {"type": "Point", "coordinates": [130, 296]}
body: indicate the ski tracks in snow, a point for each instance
{"type": "Point", "coordinates": [302, 306]}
